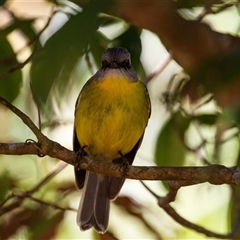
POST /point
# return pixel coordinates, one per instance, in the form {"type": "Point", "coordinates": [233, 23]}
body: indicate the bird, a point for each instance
{"type": "Point", "coordinates": [111, 114]}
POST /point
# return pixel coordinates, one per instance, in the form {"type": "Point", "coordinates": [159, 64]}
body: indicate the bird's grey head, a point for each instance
{"type": "Point", "coordinates": [116, 61]}
{"type": "Point", "coordinates": [116, 57]}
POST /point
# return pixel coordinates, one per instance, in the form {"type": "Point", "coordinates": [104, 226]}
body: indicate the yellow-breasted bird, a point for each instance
{"type": "Point", "coordinates": [111, 114]}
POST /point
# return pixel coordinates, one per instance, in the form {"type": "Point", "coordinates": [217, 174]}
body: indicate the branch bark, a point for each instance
{"type": "Point", "coordinates": [214, 174]}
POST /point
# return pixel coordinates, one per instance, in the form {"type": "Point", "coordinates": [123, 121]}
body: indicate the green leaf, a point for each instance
{"type": "Point", "coordinates": [98, 45]}
{"type": "Point", "coordinates": [5, 185]}
{"type": "Point", "coordinates": [208, 119]}
{"type": "Point", "coordinates": [25, 25]}
{"type": "Point", "coordinates": [55, 62]}
{"type": "Point", "coordinates": [169, 148]}
{"type": "Point", "coordinates": [11, 84]}
{"type": "Point", "coordinates": [2, 2]}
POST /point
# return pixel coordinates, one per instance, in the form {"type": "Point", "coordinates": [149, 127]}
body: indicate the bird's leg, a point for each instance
{"type": "Point", "coordinates": [124, 165]}
{"type": "Point", "coordinates": [80, 154]}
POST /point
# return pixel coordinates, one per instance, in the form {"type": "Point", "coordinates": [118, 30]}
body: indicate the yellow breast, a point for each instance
{"type": "Point", "coordinates": [111, 116]}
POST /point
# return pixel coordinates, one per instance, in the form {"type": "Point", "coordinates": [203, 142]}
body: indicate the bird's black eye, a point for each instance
{"type": "Point", "coordinates": [105, 63]}
{"type": "Point", "coordinates": [126, 64]}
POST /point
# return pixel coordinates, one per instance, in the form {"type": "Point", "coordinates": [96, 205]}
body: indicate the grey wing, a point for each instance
{"type": "Point", "coordinates": [79, 173]}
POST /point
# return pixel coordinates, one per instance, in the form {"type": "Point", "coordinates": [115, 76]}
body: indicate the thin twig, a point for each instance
{"type": "Point", "coordinates": [53, 205]}
{"type": "Point", "coordinates": [44, 146]}
{"type": "Point", "coordinates": [23, 117]}
{"type": "Point", "coordinates": [164, 203]}
{"type": "Point", "coordinates": [160, 67]}
{"type": "Point", "coordinates": [19, 198]}
{"type": "Point", "coordinates": [22, 64]}
{"type": "Point", "coordinates": [58, 168]}
{"type": "Point", "coordinates": [19, 65]}
{"type": "Point", "coordinates": [209, 9]}
{"type": "Point", "coordinates": [10, 196]}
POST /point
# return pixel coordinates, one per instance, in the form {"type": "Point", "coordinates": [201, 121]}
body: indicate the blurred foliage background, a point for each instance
{"type": "Point", "coordinates": [48, 50]}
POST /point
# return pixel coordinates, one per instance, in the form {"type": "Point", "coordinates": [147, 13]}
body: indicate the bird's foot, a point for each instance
{"type": "Point", "coordinates": [80, 154]}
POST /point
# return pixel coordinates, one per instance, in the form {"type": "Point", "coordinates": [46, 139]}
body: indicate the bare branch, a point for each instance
{"type": "Point", "coordinates": [18, 148]}
{"type": "Point", "coordinates": [214, 174]}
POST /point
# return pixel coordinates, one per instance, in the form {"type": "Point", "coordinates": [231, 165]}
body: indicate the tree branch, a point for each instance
{"type": "Point", "coordinates": [53, 205]}
{"type": "Point", "coordinates": [18, 148]}
{"type": "Point", "coordinates": [214, 174]}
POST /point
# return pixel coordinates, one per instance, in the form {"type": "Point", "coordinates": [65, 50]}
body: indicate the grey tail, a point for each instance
{"type": "Point", "coordinates": [115, 185]}
{"type": "Point", "coordinates": [93, 209]}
